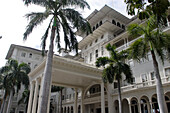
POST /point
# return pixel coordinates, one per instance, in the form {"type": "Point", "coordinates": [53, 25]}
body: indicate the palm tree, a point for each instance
{"type": "Point", "coordinates": [116, 67]}
{"type": "Point", "coordinates": [14, 76]}
{"type": "Point", "coordinates": [158, 44]}
{"type": "Point", "coordinates": [62, 17]}
{"type": "Point", "coordinates": [25, 98]}
{"type": "Point", "coordinates": [58, 89]}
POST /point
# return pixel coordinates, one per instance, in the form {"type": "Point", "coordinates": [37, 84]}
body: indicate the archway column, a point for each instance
{"type": "Point", "coordinates": [82, 101]}
{"type": "Point", "coordinates": [102, 98]}
{"type": "Point", "coordinates": [30, 97]}
{"type": "Point", "coordinates": [40, 95]}
{"type": "Point", "coordinates": [139, 106]}
{"type": "Point", "coordinates": [75, 101]}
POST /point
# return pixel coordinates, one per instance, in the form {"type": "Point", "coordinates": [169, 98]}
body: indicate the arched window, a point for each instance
{"type": "Point", "coordinates": [97, 26]}
{"type": "Point", "coordinates": [123, 26]}
{"type": "Point", "coordinates": [118, 24]}
{"type": "Point", "coordinates": [93, 28]}
{"type": "Point", "coordinates": [101, 22]}
{"type": "Point", "coordinates": [114, 22]}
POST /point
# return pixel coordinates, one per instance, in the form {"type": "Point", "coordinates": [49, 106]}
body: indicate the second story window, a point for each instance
{"type": "Point", "coordinates": [90, 57]}
{"type": "Point", "coordinates": [167, 72]}
{"type": "Point", "coordinates": [23, 54]}
{"type": "Point", "coordinates": [96, 52]}
{"type": "Point", "coordinates": [144, 78]}
{"type": "Point", "coordinates": [30, 55]}
{"type": "Point", "coordinates": [152, 76]}
{"type": "Point", "coordinates": [96, 40]}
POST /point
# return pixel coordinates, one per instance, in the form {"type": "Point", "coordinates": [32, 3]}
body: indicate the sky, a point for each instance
{"type": "Point", "coordinates": [13, 22]}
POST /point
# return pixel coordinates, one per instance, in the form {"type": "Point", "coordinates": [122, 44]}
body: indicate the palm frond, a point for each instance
{"type": "Point", "coordinates": [77, 20]}
{"type": "Point", "coordinates": [80, 3]}
{"type": "Point", "coordinates": [36, 2]}
{"type": "Point", "coordinates": [135, 30]}
{"type": "Point", "coordinates": [102, 61]}
{"type": "Point", "coordinates": [35, 19]}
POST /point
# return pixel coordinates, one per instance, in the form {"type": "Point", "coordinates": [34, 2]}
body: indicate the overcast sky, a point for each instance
{"type": "Point", "coordinates": [13, 22]}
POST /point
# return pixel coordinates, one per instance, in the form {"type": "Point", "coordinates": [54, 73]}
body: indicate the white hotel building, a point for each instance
{"type": "Point", "coordinates": [109, 26]}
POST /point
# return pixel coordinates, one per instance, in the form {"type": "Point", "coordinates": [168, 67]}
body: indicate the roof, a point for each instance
{"type": "Point", "coordinates": [11, 49]}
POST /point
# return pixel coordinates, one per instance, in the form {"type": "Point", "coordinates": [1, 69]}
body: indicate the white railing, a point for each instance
{"type": "Point", "coordinates": [141, 85]}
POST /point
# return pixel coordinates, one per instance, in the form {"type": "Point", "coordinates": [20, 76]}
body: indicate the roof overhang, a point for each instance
{"type": "Point", "coordinates": [69, 73]}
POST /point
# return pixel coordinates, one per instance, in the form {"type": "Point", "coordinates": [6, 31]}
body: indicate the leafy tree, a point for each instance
{"type": "Point", "coordinates": [14, 75]}
{"type": "Point", "coordinates": [156, 42]}
{"type": "Point", "coordinates": [62, 17]}
{"type": "Point", "coordinates": [147, 8]}
{"type": "Point", "coordinates": [115, 68]}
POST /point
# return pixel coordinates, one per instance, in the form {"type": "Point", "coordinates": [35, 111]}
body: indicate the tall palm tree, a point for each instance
{"type": "Point", "coordinates": [115, 68]}
{"type": "Point", "coordinates": [25, 98]}
{"type": "Point", "coordinates": [14, 76]}
{"type": "Point", "coordinates": [158, 44]}
{"type": "Point", "coordinates": [62, 17]}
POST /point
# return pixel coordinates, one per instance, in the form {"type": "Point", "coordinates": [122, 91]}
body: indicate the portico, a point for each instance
{"type": "Point", "coordinates": [66, 73]}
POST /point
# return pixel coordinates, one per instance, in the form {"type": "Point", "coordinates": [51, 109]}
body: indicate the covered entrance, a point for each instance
{"type": "Point", "coordinates": [66, 73]}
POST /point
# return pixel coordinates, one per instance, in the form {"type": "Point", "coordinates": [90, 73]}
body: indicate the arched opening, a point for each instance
{"type": "Point", "coordinates": [79, 109]}
{"type": "Point", "coordinates": [101, 23]}
{"type": "Point", "coordinates": [123, 26]}
{"type": "Point", "coordinates": [71, 109]}
{"type": "Point", "coordinates": [116, 103]}
{"type": "Point", "coordinates": [155, 107]}
{"type": "Point", "coordinates": [145, 106]}
{"type": "Point", "coordinates": [93, 91]}
{"type": "Point", "coordinates": [93, 28]}
{"type": "Point", "coordinates": [64, 109]}
{"type": "Point", "coordinates": [134, 105]}
{"type": "Point", "coordinates": [125, 106]}
{"type": "Point", "coordinates": [97, 25]}
{"type": "Point", "coordinates": [68, 110]}
{"type": "Point", "coordinates": [167, 99]}
{"type": "Point", "coordinates": [118, 24]}
{"type": "Point", "coordinates": [114, 22]}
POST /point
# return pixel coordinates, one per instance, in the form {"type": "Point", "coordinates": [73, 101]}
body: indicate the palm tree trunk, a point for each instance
{"type": "Point", "coordinates": [61, 101]}
{"type": "Point", "coordinates": [47, 75]}
{"type": "Point", "coordinates": [10, 101]}
{"type": "Point", "coordinates": [119, 96]}
{"type": "Point", "coordinates": [3, 104]}
{"type": "Point", "coordinates": [159, 88]}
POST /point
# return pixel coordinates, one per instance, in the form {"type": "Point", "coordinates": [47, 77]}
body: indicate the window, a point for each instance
{"type": "Point", "coordinates": [123, 26]}
{"type": "Point", "coordinates": [29, 63]}
{"type": "Point", "coordinates": [133, 80]}
{"type": "Point", "coordinates": [114, 22]}
{"type": "Point", "coordinates": [101, 23]}
{"type": "Point", "coordinates": [102, 37]}
{"type": "Point", "coordinates": [167, 72]}
{"type": "Point", "coordinates": [144, 77]}
{"type": "Point", "coordinates": [85, 59]}
{"type": "Point", "coordinates": [35, 66]}
{"type": "Point", "coordinates": [102, 50]}
{"type": "Point", "coordinates": [91, 44]}
{"type": "Point", "coordinates": [152, 76]}
{"type": "Point", "coordinates": [96, 40]}
{"type": "Point", "coordinates": [30, 55]}
{"type": "Point", "coordinates": [96, 53]}
{"type": "Point", "coordinates": [97, 26]}
{"type": "Point", "coordinates": [118, 24]}
{"type": "Point", "coordinates": [23, 54]}
{"type": "Point", "coordinates": [90, 57]}
{"type": "Point", "coordinates": [93, 28]}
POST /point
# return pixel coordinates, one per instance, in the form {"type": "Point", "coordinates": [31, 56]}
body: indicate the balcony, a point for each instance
{"type": "Point", "coordinates": [151, 83]}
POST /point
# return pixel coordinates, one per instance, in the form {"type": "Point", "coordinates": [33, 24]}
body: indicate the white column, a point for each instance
{"type": "Point", "coordinates": [82, 101]}
{"type": "Point", "coordinates": [130, 109]}
{"type": "Point", "coordinates": [109, 98]}
{"type": "Point", "coordinates": [30, 97]}
{"type": "Point", "coordinates": [40, 94]}
{"type": "Point", "coordinates": [139, 106]}
{"type": "Point", "coordinates": [75, 101]}
{"type": "Point", "coordinates": [102, 98]}
{"type": "Point", "coordinates": [35, 96]}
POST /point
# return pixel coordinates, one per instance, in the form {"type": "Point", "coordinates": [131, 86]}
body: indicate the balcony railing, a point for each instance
{"type": "Point", "coordinates": [141, 85]}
